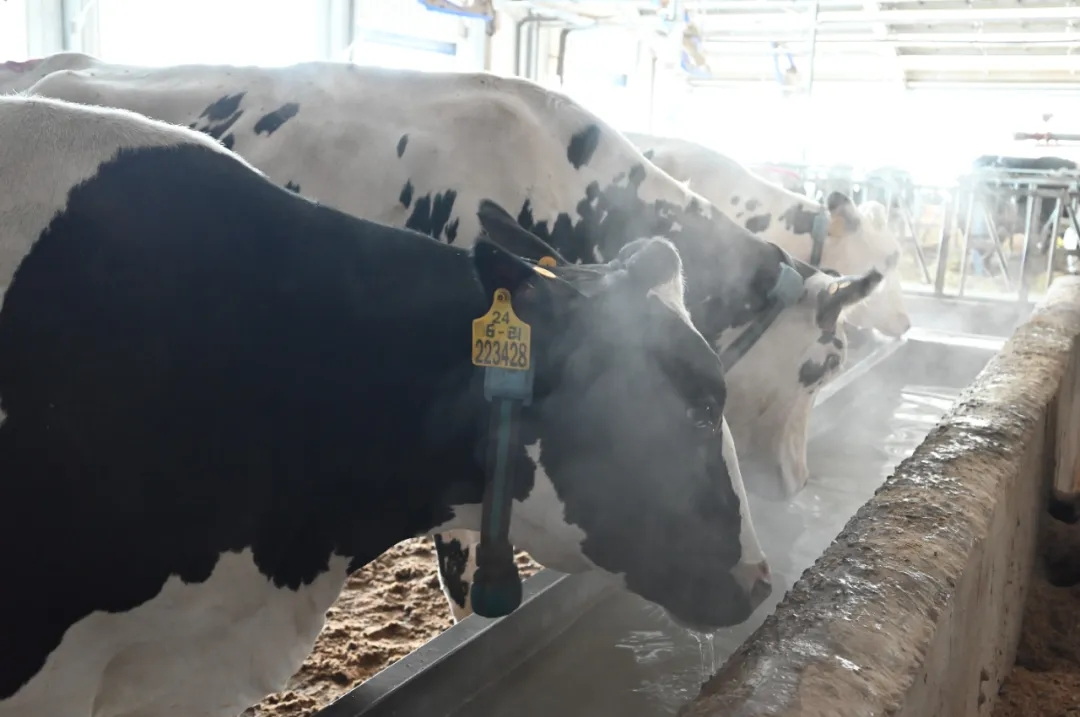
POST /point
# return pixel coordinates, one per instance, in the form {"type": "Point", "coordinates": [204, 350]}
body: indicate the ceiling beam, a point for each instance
{"type": "Point", "coordinates": [910, 39]}
{"type": "Point", "coordinates": [827, 17]}
{"type": "Point", "coordinates": [990, 63]}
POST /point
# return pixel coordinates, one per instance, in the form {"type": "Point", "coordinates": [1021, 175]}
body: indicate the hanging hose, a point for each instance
{"type": "Point", "coordinates": [776, 64]}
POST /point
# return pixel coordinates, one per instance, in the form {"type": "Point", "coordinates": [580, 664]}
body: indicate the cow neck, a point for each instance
{"type": "Point", "coordinates": [786, 291]}
{"type": "Point", "coordinates": [819, 232]}
{"type": "Point", "coordinates": [694, 224]}
{"type": "Point", "coordinates": [464, 421]}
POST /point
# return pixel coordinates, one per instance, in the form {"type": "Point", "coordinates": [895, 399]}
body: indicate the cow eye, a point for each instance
{"type": "Point", "coordinates": [705, 414]}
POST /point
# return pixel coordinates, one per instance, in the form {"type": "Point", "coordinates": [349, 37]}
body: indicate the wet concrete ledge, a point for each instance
{"type": "Point", "coordinates": [914, 610]}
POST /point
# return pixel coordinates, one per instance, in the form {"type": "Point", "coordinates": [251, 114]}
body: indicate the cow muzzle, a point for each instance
{"type": "Point", "coordinates": [756, 581]}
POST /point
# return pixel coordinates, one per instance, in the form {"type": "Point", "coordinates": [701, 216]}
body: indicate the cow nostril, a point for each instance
{"type": "Point", "coordinates": [763, 571]}
{"type": "Point", "coordinates": [760, 592]}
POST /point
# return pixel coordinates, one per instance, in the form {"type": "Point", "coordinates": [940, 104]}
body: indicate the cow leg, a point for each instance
{"type": "Point", "coordinates": [456, 553]}
{"type": "Point", "coordinates": [791, 447]}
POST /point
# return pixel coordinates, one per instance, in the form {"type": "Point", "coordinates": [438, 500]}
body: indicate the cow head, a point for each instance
{"type": "Point", "coordinates": [859, 239]}
{"type": "Point", "coordinates": [771, 391]}
{"type": "Point", "coordinates": [631, 465]}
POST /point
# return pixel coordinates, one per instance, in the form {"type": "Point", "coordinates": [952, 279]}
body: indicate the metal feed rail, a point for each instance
{"type": "Point", "coordinates": [963, 205]}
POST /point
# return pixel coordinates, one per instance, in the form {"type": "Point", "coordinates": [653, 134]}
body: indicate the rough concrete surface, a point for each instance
{"type": "Point", "coordinates": [914, 610]}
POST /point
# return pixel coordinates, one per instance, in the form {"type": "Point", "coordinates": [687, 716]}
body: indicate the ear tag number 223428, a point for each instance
{"type": "Point", "coordinates": [499, 338]}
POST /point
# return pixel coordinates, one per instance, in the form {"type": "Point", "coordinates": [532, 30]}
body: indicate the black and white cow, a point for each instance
{"type": "Point", "coordinates": [421, 150]}
{"type": "Point", "coordinates": [220, 398]}
{"type": "Point", "coordinates": [851, 241]}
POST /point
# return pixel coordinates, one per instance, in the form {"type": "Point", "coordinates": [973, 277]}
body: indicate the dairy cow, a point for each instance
{"type": "Point", "coordinates": [421, 150]}
{"type": "Point", "coordinates": [837, 236]}
{"type": "Point", "coordinates": [221, 398]}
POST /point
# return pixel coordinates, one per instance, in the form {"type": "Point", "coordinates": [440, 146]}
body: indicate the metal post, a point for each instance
{"type": "Point", "coordinates": [1055, 228]}
{"type": "Point", "coordinates": [910, 228]}
{"type": "Point", "coordinates": [810, 78]}
{"type": "Point", "coordinates": [1029, 220]}
{"type": "Point", "coordinates": [991, 224]}
{"type": "Point", "coordinates": [948, 220]}
{"type": "Point", "coordinates": [966, 247]}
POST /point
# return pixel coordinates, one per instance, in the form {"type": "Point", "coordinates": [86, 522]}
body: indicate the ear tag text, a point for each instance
{"type": "Point", "coordinates": [500, 339]}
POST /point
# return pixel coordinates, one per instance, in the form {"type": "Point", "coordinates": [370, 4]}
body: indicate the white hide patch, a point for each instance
{"type": "Point", "coordinates": [69, 144]}
{"type": "Point", "coordinates": [207, 649]}
{"type": "Point", "coordinates": [752, 553]}
{"type": "Point", "coordinates": [538, 526]}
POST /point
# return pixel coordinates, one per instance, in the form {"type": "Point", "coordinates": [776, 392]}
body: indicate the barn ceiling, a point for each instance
{"type": "Point", "coordinates": [1029, 44]}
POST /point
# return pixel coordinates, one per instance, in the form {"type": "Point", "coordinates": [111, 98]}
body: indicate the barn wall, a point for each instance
{"type": "Point", "coordinates": [915, 608]}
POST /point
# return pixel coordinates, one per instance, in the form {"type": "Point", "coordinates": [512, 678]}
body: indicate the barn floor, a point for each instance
{"type": "Point", "coordinates": [1045, 680]}
{"type": "Point", "coordinates": [387, 610]}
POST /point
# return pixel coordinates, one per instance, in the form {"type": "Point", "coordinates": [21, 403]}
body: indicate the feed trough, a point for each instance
{"type": "Point", "coordinates": [582, 648]}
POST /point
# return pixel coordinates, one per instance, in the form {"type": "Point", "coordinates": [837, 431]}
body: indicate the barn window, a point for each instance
{"type": "Point", "coordinates": [13, 30]}
{"type": "Point", "coordinates": [165, 32]}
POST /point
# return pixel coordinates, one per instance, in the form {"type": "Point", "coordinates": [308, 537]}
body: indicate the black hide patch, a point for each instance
{"type": "Point", "coordinates": [829, 337]}
{"type": "Point", "coordinates": [758, 223]}
{"type": "Point", "coordinates": [452, 559]}
{"type": "Point", "coordinates": [582, 145]}
{"type": "Point", "coordinates": [401, 144]}
{"type": "Point", "coordinates": [406, 194]}
{"type": "Point", "coordinates": [271, 122]}
{"type": "Point", "coordinates": [811, 372]}
{"type": "Point", "coordinates": [607, 217]}
{"type": "Point", "coordinates": [430, 215]}
{"type": "Point", "coordinates": [798, 220]}
{"type": "Point", "coordinates": [219, 117]}
{"type": "Point", "coordinates": [222, 107]}
{"type": "Point", "coordinates": [752, 205]}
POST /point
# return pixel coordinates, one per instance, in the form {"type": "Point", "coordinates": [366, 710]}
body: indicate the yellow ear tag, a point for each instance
{"type": "Point", "coordinates": [543, 272]}
{"type": "Point", "coordinates": [547, 261]}
{"type": "Point", "coordinates": [499, 338]}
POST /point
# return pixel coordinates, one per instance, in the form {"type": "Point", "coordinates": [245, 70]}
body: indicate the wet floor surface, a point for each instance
{"type": "Point", "coordinates": [624, 658]}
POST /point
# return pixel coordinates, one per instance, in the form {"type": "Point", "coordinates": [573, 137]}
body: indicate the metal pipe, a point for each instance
{"type": "Point", "coordinates": [948, 220]}
{"type": "Point", "coordinates": [813, 48]}
{"type": "Point", "coordinates": [966, 247]}
{"type": "Point", "coordinates": [1058, 207]}
{"type": "Point", "coordinates": [920, 256]}
{"type": "Point", "coordinates": [991, 225]}
{"type": "Point", "coordinates": [981, 62]}
{"type": "Point", "coordinates": [560, 61]}
{"type": "Point", "coordinates": [1047, 136]}
{"type": "Point", "coordinates": [862, 18]}
{"type": "Point", "coordinates": [976, 39]}
{"type": "Point", "coordinates": [1029, 220]}
{"type": "Point", "coordinates": [810, 79]}
{"type": "Point", "coordinates": [652, 93]}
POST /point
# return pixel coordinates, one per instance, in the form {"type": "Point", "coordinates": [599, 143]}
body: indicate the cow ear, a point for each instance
{"type": "Point", "coordinates": [502, 229]}
{"type": "Point", "coordinates": [536, 291]}
{"type": "Point", "coordinates": [843, 217]}
{"type": "Point", "coordinates": [842, 293]}
{"type": "Point", "coordinates": [651, 263]}
{"type": "Point", "coordinates": [499, 269]}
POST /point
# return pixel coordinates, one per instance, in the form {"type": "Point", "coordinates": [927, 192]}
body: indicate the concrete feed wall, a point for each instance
{"type": "Point", "coordinates": [915, 608]}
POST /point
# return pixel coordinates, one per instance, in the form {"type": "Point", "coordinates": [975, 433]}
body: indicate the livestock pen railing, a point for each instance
{"type": "Point", "coordinates": [994, 235]}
